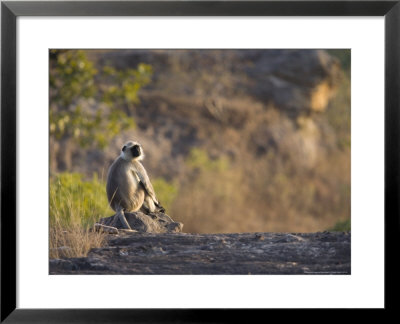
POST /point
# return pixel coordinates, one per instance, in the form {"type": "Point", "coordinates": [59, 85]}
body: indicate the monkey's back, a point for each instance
{"type": "Point", "coordinates": [122, 187]}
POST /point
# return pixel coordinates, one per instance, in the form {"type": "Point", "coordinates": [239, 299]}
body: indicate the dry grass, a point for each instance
{"type": "Point", "coordinates": [300, 185]}
{"type": "Point", "coordinates": [283, 175]}
{"type": "Point", "coordinates": [75, 205]}
{"type": "Point", "coordinates": [268, 195]}
{"type": "Point", "coordinates": [73, 241]}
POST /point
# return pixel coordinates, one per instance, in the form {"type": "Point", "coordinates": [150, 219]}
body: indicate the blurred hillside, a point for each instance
{"type": "Point", "coordinates": [235, 140]}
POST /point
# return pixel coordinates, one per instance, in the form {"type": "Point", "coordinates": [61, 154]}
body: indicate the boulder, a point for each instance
{"type": "Point", "coordinates": [139, 222]}
{"type": "Point", "coordinates": [297, 81]}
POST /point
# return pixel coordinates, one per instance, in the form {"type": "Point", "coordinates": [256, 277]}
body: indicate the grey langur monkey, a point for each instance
{"type": "Point", "coordinates": [128, 185]}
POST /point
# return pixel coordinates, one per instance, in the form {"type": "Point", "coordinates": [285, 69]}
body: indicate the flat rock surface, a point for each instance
{"type": "Point", "coordinates": [242, 253]}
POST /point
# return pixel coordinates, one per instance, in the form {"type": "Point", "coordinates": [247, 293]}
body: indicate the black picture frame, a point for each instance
{"type": "Point", "coordinates": [9, 13]}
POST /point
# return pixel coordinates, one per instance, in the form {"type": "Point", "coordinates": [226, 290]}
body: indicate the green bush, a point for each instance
{"type": "Point", "coordinates": [166, 192]}
{"type": "Point", "coordinates": [75, 201]}
{"type": "Point", "coordinates": [199, 159]}
{"type": "Point", "coordinates": [89, 106]}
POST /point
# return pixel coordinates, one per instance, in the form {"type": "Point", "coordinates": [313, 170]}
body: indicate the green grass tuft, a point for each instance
{"type": "Point", "coordinates": [342, 226]}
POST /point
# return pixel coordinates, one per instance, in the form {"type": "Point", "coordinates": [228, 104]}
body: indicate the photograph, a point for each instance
{"type": "Point", "coordinates": [199, 161]}
{"type": "Point", "coordinates": [195, 160]}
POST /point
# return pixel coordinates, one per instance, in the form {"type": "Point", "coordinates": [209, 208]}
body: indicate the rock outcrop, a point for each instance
{"type": "Point", "coordinates": [245, 253]}
{"type": "Point", "coordinates": [139, 222]}
{"type": "Point", "coordinates": [297, 80]}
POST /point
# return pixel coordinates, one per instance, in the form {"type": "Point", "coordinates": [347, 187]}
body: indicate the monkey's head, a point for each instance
{"type": "Point", "coordinates": [132, 151]}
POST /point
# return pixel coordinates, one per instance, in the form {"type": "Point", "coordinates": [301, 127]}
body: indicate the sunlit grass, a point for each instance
{"type": "Point", "coordinates": [76, 204]}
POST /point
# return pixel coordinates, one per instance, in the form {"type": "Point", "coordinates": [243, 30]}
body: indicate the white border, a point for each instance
{"type": "Point", "coordinates": [363, 288]}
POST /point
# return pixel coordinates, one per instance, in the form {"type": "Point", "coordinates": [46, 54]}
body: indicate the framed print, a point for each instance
{"type": "Point", "coordinates": [183, 154]}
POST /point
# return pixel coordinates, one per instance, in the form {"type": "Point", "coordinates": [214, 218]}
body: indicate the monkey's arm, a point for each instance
{"type": "Point", "coordinates": [144, 181]}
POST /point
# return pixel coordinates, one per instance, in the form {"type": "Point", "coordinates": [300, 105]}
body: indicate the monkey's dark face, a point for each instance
{"type": "Point", "coordinates": [135, 151]}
